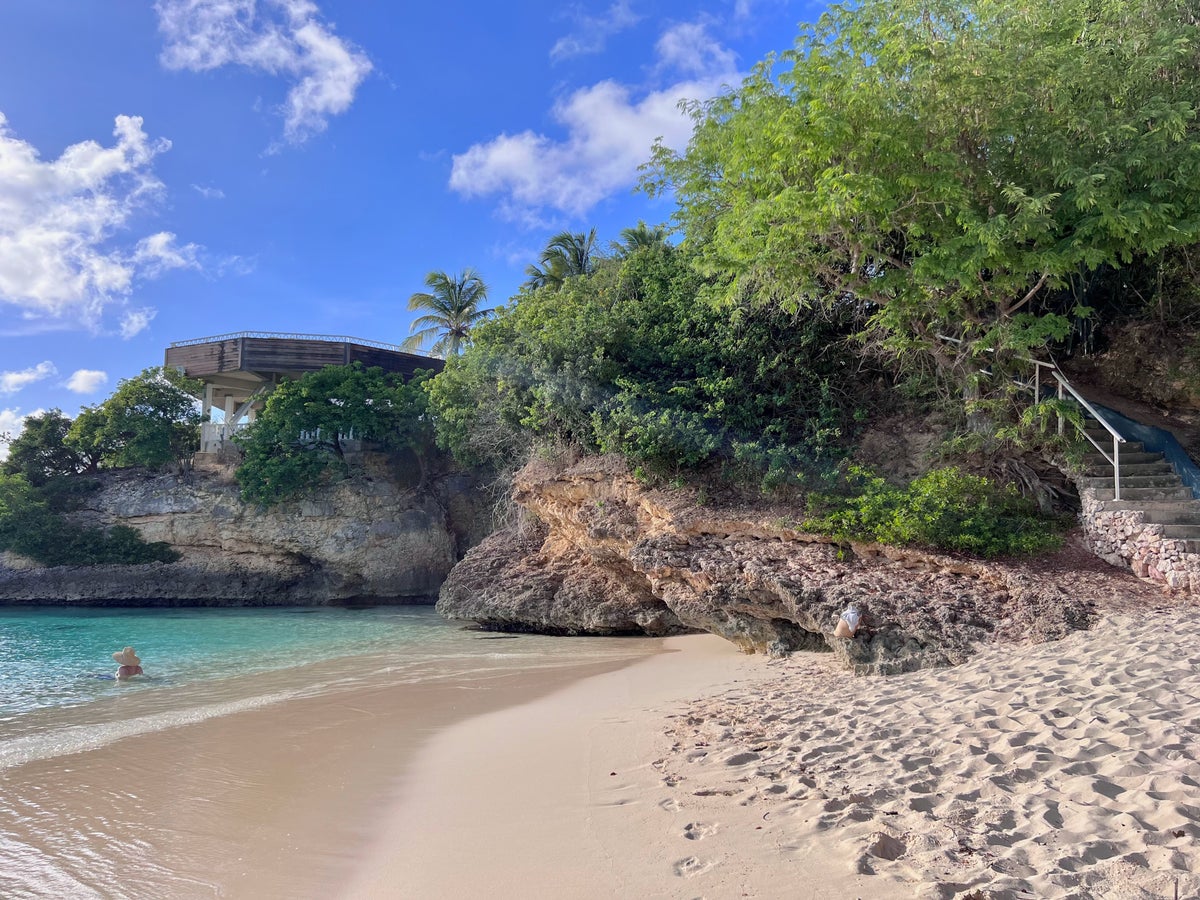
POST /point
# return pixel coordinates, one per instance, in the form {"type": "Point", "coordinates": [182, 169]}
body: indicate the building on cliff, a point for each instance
{"type": "Point", "coordinates": [238, 369]}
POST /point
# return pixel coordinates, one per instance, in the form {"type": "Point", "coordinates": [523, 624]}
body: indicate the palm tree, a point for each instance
{"type": "Point", "coordinates": [453, 309]}
{"type": "Point", "coordinates": [566, 255]}
{"type": "Point", "coordinates": [634, 239]}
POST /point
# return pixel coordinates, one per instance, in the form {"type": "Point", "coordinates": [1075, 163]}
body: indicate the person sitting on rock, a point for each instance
{"type": "Point", "coordinates": [130, 665]}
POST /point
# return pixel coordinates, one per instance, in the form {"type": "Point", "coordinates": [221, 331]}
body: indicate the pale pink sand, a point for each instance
{"type": "Point", "coordinates": [569, 797]}
{"type": "Point", "coordinates": [1063, 770]}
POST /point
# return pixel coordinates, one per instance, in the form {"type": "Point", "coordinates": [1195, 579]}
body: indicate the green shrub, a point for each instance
{"type": "Point", "coordinates": [31, 526]}
{"type": "Point", "coordinates": [946, 509]}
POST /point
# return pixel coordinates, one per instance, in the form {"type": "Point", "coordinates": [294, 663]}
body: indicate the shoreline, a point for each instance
{"type": "Point", "coordinates": [273, 801]}
{"type": "Point", "coordinates": [685, 769]}
{"type": "Point", "coordinates": [568, 796]}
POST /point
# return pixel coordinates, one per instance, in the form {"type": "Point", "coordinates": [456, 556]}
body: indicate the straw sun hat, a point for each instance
{"type": "Point", "coordinates": [127, 658]}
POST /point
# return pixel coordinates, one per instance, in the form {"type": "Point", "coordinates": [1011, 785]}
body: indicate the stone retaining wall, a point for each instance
{"type": "Point", "coordinates": [1124, 538]}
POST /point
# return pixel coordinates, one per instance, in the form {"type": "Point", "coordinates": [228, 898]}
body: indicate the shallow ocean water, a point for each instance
{"type": "Point", "coordinates": [68, 828]}
{"type": "Point", "coordinates": [57, 693]}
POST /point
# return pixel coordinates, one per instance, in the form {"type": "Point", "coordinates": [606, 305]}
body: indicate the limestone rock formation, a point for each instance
{"type": "Point", "coordinates": [610, 555]}
{"type": "Point", "coordinates": [369, 538]}
{"type": "Point", "coordinates": [508, 583]}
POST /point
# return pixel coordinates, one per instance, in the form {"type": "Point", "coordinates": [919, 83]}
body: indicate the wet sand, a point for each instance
{"type": "Point", "coordinates": [272, 802]}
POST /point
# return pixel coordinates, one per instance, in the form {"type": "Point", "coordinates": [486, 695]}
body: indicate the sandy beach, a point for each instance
{"type": "Point", "coordinates": [1065, 769]}
{"type": "Point", "coordinates": [1059, 770]}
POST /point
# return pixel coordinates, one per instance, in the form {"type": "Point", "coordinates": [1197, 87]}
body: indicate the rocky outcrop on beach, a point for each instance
{"type": "Point", "coordinates": [608, 554]}
{"type": "Point", "coordinates": [377, 536]}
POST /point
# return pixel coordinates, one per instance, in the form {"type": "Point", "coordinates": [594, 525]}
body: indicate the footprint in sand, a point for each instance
{"type": "Point", "coordinates": [670, 804]}
{"type": "Point", "coordinates": [698, 831]}
{"type": "Point", "coordinates": [690, 867]}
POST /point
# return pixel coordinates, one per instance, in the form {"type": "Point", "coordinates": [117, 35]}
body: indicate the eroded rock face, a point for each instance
{"type": "Point", "coordinates": [370, 538]}
{"type": "Point", "coordinates": [609, 553]}
{"type": "Point", "coordinates": [511, 583]}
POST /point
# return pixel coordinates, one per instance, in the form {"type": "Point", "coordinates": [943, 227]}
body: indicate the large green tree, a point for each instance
{"type": "Point", "coordinates": [452, 308]}
{"type": "Point", "coordinates": [627, 361]}
{"type": "Point", "coordinates": [959, 167]}
{"type": "Point", "coordinates": [40, 452]}
{"type": "Point", "coordinates": [299, 436]}
{"type": "Point", "coordinates": [151, 420]}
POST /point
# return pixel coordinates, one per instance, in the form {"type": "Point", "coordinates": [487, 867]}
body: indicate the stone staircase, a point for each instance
{"type": "Point", "coordinates": [1155, 527]}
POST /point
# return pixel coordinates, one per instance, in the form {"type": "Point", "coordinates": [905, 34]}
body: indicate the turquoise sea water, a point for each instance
{"type": "Point", "coordinates": [57, 693]}
{"type": "Point", "coordinates": [63, 657]}
{"type": "Point", "coordinates": [64, 833]}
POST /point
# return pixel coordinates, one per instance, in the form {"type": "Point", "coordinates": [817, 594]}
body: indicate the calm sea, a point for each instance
{"type": "Point", "coordinates": [61, 834]}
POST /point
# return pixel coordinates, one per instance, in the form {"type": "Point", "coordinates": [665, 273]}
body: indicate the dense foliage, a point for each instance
{"type": "Point", "coordinates": [965, 168]}
{"type": "Point", "coordinates": [945, 509]}
{"type": "Point", "coordinates": [628, 360]}
{"type": "Point", "coordinates": [152, 420]}
{"type": "Point", "coordinates": [32, 525]}
{"type": "Point", "coordinates": [40, 452]}
{"type": "Point", "coordinates": [299, 436]}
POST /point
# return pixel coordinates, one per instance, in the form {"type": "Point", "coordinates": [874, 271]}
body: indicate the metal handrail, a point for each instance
{"type": "Point", "coordinates": [1064, 384]}
{"type": "Point", "coordinates": [1117, 440]}
{"type": "Point", "coordinates": [329, 338]}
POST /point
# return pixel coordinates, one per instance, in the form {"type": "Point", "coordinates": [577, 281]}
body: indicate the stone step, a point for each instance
{"type": "Point", "coordinates": [1150, 494]}
{"type": "Point", "coordinates": [1133, 459]}
{"type": "Point", "coordinates": [1182, 512]}
{"type": "Point", "coordinates": [1182, 532]}
{"type": "Point", "coordinates": [1104, 439]}
{"type": "Point", "coordinates": [1163, 480]}
{"type": "Point", "coordinates": [1136, 471]}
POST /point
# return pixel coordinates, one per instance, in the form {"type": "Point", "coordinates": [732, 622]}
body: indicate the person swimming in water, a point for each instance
{"type": "Point", "coordinates": [130, 665]}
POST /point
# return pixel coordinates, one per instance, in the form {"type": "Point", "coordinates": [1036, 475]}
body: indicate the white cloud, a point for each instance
{"type": "Point", "coordinates": [58, 221]}
{"type": "Point", "coordinates": [609, 133]}
{"type": "Point", "coordinates": [12, 423]}
{"type": "Point", "coordinates": [86, 381]}
{"type": "Point", "coordinates": [209, 193]}
{"type": "Point", "coordinates": [280, 37]}
{"type": "Point", "coordinates": [689, 49]}
{"type": "Point", "coordinates": [136, 321]}
{"type": "Point", "coordinates": [11, 382]}
{"type": "Point", "coordinates": [591, 33]}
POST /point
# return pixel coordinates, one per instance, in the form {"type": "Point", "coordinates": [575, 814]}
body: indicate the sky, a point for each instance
{"type": "Point", "coordinates": [175, 169]}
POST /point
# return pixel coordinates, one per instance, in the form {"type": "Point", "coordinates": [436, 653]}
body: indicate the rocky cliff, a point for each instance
{"type": "Point", "coordinates": [373, 537]}
{"type": "Point", "coordinates": [605, 555]}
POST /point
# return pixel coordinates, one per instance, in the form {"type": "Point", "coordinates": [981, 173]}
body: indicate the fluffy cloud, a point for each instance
{"type": "Point", "coordinates": [591, 33]}
{"type": "Point", "coordinates": [11, 382]}
{"type": "Point", "coordinates": [609, 133]}
{"type": "Point", "coordinates": [12, 422]}
{"type": "Point", "coordinates": [689, 49]}
{"type": "Point", "coordinates": [86, 381]}
{"type": "Point", "coordinates": [281, 37]}
{"type": "Point", "coordinates": [58, 220]}
{"type": "Point", "coordinates": [209, 193]}
{"type": "Point", "coordinates": [135, 321]}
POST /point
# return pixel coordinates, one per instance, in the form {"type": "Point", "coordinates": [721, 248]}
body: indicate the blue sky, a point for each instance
{"type": "Point", "coordinates": [183, 168]}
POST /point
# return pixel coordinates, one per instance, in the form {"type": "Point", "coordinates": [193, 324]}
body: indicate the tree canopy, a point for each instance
{"type": "Point", "coordinates": [299, 436]}
{"type": "Point", "coordinates": [40, 452]}
{"type": "Point", "coordinates": [151, 420]}
{"type": "Point", "coordinates": [960, 167]}
{"type": "Point", "coordinates": [627, 361]}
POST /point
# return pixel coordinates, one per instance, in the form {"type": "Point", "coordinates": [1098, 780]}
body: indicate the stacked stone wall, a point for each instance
{"type": "Point", "coordinates": [1124, 538]}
